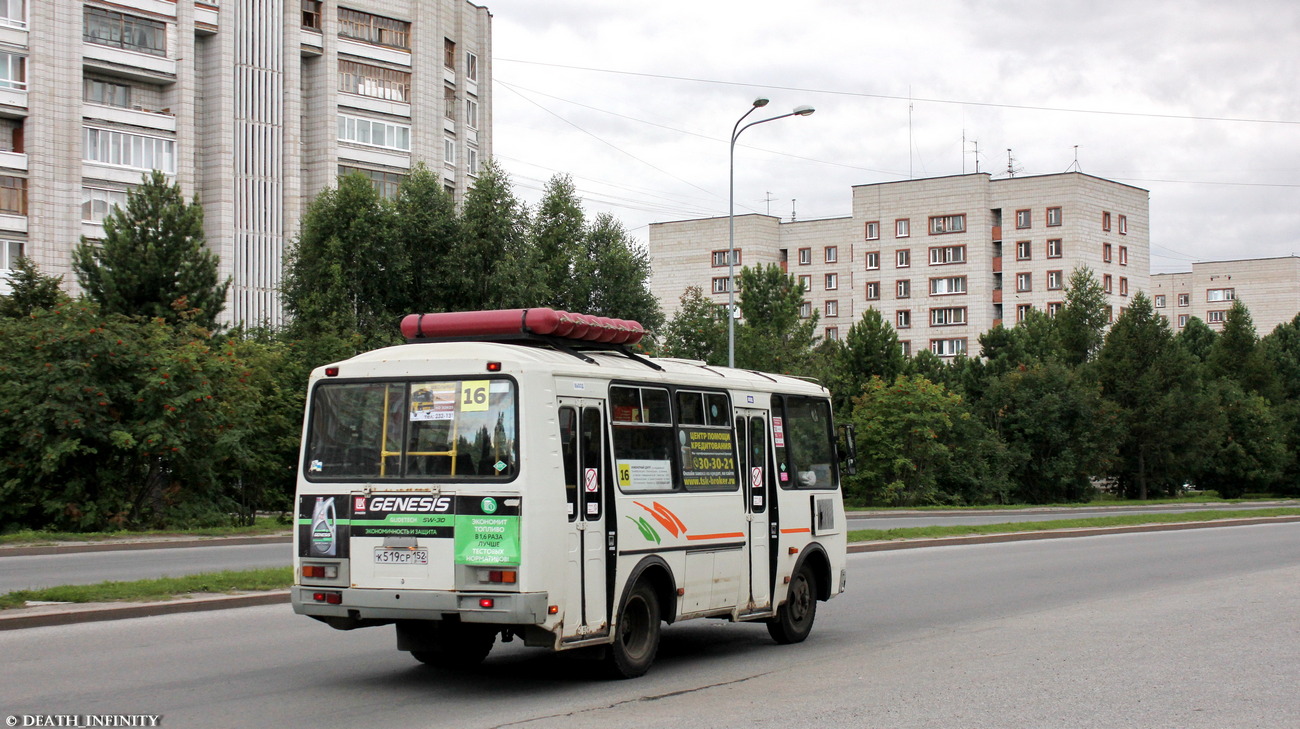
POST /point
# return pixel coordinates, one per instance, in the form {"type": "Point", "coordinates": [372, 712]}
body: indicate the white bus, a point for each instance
{"type": "Point", "coordinates": [524, 474]}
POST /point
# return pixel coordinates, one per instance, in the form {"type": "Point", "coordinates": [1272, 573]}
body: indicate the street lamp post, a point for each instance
{"type": "Point", "coordinates": [759, 103]}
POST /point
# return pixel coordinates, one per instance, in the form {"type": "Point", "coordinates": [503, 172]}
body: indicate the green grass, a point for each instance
{"type": "Point", "coordinates": [930, 532]}
{"type": "Point", "coordinates": [165, 588]}
{"type": "Point", "coordinates": [264, 525]}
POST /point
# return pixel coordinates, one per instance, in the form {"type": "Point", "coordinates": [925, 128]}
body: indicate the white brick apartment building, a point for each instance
{"type": "Point", "coordinates": [255, 105]}
{"type": "Point", "coordinates": [943, 259]}
{"type": "Point", "coordinates": [1269, 287]}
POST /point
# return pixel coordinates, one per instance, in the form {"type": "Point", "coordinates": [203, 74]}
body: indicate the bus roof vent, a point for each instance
{"type": "Point", "coordinates": [514, 324]}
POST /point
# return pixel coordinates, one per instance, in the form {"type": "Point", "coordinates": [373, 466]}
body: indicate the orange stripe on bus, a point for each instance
{"type": "Point", "coordinates": [804, 530]}
{"type": "Point", "coordinates": [728, 535]}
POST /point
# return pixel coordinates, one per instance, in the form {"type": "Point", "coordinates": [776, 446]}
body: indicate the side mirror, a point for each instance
{"type": "Point", "coordinates": [848, 450]}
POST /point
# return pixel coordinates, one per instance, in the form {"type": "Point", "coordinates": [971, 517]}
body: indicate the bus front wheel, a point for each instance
{"type": "Point", "coordinates": [794, 620]}
{"type": "Point", "coordinates": [636, 638]}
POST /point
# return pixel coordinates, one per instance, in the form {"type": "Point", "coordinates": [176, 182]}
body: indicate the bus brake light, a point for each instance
{"type": "Point", "coordinates": [487, 603]}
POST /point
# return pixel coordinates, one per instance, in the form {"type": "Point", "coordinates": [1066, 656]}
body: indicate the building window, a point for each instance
{"type": "Point", "coordinates": [136, 151]}
{"type": "Point", "coordinates": [1123, 225]}
{"type": "Point", "coordinates": [873, 230]}
{"type": "Point", "coordinates": [721, 285]}
{"type": "Point", "coordinates": [374, 81]}
{"type": "Point", "coordinates": [1054, 279]}
{"type": "Point", "coordinates": [374, 29]}
{"type": "Point", "coordinates": [949, 285]}
{"type": "Point", "coordinates": [97, 203]}
{"type": "Point", "coordinates": [805, 256]}
{"type": "Point", "coordinates": [449, 151]}
{"type": "Point", "coordinates": [128, 32]}
{"type": "Point", "coordinates": [1054, 307]}
{"type": "Point", "coordinates": [1024, 282]}
{"type": "Point", "coordinates": [1160, 301]}
{"type": "Point", "coordinates": [941, 224]}
{"type": "Point", "coordinates": [471, 113]}
{"type": "Point", "coordinates": [832, 281]}
{"type": "Point", "coordinates": [1024, 250]}
{"type": "Point", "coordinates": [1055, 249]}
{"type": "Point", "coordinates": [1220, 294]}
{"type": "Point", "coordinates": [1184, 299]}
{"type": "Point", "coordinates": [903, 288]}
{"type": "Point", "coordinates": [12, 14]}
{"type": "Point", "coordinates": [1123, 255]}
{"type": "Point", "coordinates": [471, 160]}
{"type": "Point", "coordinates": [1053, 217]}
{"type": "Point", "coordinates": [805, 310]}
{"type": "Point", "coordinates": [449, 53]}
{"type": "Point", "coordinates": [1123, 286]}
{"type": "Point", "coordinates": [902, 258]}
{"type": "Point", "coordinates": [1182, 320]}
{"type": "Point", "coordinates": [1024, 219]}
{"type": "Point", "coordinates": [720, 258]}
{"type": "Point", "coordinates": [902, 228]}
{"type": "Point", "coordinates": [942, 255]}
{"type": "Point", "coordinates": [449, 102]}
{"type": "Point", "coordinates": [374, 133]}
{"type": "Point", "coordinates": [1105, 221]}
{"type": "Point", "coordinates": [948, 347]}
{"type": "Point", "coordinates": [13, 70]}
{"type": "Point", "coordinates": [948, 316]}
{"type": "Point", "coordinates": [10, 252]}
{"type": "Point", "coordinates": [1215, 317]}
{"type": "Point", "coordinates": [1107, 283]}
{"type": "Point", "coordinates": [805, 282]}
{"type": "Point", "coordinates": [471, 67]}
{"type": "Point", "coordinates": [832, 254]}
{"type": "Point", "coordinates": [906, 347]}
{"type": "Point", "coordinates": [311, 14]}
{"type": "Point", "coordinates": [873, 291]}
{"type": "Point", "coordinates": [13, 195]}
{"type": "Point", "coordinates": [1022, 311]}
{"type": "Point", "coordinates": [832, 334]}
{"type": "Point", "coordinates": [873, 261]}
{"type": "Point", "coordinates": [903, 319]}
{"type": "Point", "coordinates": [105, 92]}
{"type": "Point", "coordinates": [385, 183]}
{"type": "Point", "coordinates": [1105, 252]}
{"type": "Point", "coordinates": [832, 308]}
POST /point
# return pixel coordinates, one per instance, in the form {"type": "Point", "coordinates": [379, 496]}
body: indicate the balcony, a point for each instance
{"type": "Point", "coordinates": [997, 264]}
{"type": "Point", "coordinates": [133, 65]}
{"type": "Point", "coordinates": [997, 296]}
{"type": "Point", "coordinates": [162, 120]}
{"type": "Point", "coordinates": [997, 234]}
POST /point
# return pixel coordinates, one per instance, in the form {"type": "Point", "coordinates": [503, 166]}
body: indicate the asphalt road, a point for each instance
{"type": "Point", "coordinates": [900, 520]}
{"type": "Point", "coordinates": [1175, 629]}
{"type": "Point", "coordinates": [82, 568]}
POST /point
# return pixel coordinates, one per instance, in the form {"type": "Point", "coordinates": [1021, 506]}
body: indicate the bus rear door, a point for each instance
{"type": "Point", "coordinates": [582, 427]}
{"type": "Point", "coordinates": [756, 468]}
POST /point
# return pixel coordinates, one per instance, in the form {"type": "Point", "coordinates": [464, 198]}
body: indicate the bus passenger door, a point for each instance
{"type": "Point", "coordinates": [582, 425]}
{"type": "Point", "coordinates": [755, 459]}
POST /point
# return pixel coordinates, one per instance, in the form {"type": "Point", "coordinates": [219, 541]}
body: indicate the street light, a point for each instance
{"type": "Point", "coordinates": [759, 103]}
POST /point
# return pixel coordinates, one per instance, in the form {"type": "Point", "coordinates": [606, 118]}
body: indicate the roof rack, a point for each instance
{"type": "Point", "coordinates": [562, 330]}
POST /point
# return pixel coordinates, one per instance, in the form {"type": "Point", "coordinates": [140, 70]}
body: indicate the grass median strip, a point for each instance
{"type": "Point", "coordinates": [164, 588]}
{"type": "Point", "coordinates": [931, 532]}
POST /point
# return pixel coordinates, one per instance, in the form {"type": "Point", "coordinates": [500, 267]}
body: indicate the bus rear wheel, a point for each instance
{"type": "Point", "coordinates": [794, 620]}
{"type": "Point", "coordinates": [636, 638]}
{"type": "Point", "coordinates": [456, 646]}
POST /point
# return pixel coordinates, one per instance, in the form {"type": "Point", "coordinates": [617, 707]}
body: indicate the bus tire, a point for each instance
{"type": "Point", "coordinates": [459, 646]}
{"type": "Point", "coordinates": [794, 619]}
{"type": "Point", "coordinates": [636, 638]}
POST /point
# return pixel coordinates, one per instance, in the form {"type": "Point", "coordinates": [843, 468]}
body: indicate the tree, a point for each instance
{"type": "Point", "coordinates": [558, 233]}
{"type": "Point", "coordinates": [1236, 355]}
{"type": "Point", "coordinates": [1281, 349]}
{"type": "Point", "coordinates": [772, 335]}
{"type": "Point", "coordinates": [697, 331]}
{"type": "Point", "coordinates": [1249, 454]}
{"type": "Point", "coordinates": [30, 290]}
{"type": "Point", "coordinates": [1154, 384]}
{"type": "Point", "coordinates": [869, 349]}
{"type": "Point", "coordinates": [426, 231]}
{"type": "Point", "coordinates": [1082, 321]}
{"type": "Point", "coordinates": [1197, 338]}
{"type": "Point", "coordinates": [611, 276]}
{"type": "Point", "coordinates": [494, 259]}
{"type": "Point", "coordinates": [153, 262]}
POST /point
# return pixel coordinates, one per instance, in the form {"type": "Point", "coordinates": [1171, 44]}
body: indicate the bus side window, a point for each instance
{"type": "Point", "coordinates": [569, 452]}
{"type": "Point", "coordinates": [810, 443]}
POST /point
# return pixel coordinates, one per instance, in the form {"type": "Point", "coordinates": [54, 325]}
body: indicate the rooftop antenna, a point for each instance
{"type": "Point", "coordinates": [1075, 166]}
{"type": "Point", "coordinates": [1012, 169]}
{"type": "Point", "coordinates": [975, 144]}
{"type": "Point", "coordinates": [792, 209]}
{"type": "Point", "coordinates": [769, 200]}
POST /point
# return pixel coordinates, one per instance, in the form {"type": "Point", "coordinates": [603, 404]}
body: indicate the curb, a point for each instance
{"type": "Point", "coordinates": [36, 617]}
{"type": "Point", "coordinates": [151, 544]}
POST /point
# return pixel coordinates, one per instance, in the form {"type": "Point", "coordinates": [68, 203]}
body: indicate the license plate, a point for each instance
{"type": "Point", "coordinates": [401, 556]}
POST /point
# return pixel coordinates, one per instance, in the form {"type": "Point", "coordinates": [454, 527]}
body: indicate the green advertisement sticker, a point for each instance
{"type": "Point", "coordinates": [487, 540]}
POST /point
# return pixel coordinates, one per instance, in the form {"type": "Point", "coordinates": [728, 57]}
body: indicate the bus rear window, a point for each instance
{"type": "Point", "coordinates": [415, 431]}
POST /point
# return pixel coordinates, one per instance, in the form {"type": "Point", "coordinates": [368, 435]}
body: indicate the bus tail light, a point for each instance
{"type": "Point", "coordinates": [320, 571]}
{"type": "Point", "coordinates": [506, 577]}
{"type": "Point", "coordinates": [487, 603]}
{"type": "Point", "coordinates": [331, 598]}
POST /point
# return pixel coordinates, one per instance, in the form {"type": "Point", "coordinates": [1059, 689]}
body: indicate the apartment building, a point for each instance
{"type": "Point", "coordinates": [1269, 287]}
{"type": "Point", "coordinates": [253, 105]}
{"type": "Point", "coordinates": [943, 259]}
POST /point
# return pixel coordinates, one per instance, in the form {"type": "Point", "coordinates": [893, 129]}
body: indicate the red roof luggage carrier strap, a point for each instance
{"type": "Point", "coordinates": [515, 323]}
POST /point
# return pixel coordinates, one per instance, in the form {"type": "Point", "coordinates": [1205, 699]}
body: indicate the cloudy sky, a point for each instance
{"type": "Point", "coordinates": [1197, 101]}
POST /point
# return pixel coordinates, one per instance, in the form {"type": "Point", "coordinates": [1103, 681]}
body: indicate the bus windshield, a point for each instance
{"type": "Point", "coordinates": [413, 431]}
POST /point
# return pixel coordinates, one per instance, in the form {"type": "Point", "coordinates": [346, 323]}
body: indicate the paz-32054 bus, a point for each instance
{"type": "Point", "coordinates": [524, 474]}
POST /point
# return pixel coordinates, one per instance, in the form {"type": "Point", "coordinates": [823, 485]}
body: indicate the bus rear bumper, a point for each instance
{"type": "Point", "coordinates": [507, 608]}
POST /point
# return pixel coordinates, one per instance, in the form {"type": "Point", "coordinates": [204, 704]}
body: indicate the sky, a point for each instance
{"type": "Point", "coordinates": [1197, 101]}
